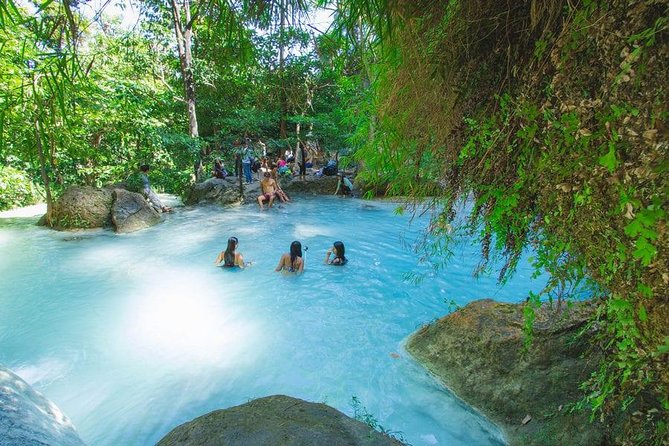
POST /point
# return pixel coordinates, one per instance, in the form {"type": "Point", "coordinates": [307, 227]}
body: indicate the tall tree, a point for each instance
{"type": "Point", "coordinates": [183, 29]}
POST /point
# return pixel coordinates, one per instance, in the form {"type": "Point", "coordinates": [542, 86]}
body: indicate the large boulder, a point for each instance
{"type": "Point", "coordinates": [214, 190]}
{"type": "Point", "coordinates": [479, 353]}
{"type": "Point", "coordinates": [131, 212]}
{"type": "Point", "coordinates": [29, 419]}
{"type": "Point", "coordinates": [82, 207]}
{"type": "Point", "coordinates": [277, 420]}
{"type": "Point", "coordinates": [324, 185]}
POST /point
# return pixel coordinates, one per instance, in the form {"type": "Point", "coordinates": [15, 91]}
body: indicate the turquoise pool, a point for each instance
{"type": "Point", "coordinates": [132, 335]}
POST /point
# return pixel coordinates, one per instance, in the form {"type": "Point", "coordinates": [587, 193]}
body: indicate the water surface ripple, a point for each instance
{"type": "Point", "coordinates": [132, 335]}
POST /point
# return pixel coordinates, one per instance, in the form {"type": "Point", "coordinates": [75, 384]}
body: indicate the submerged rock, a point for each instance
{"type": "Point", "coordinates": [276, 420]}
{"type": "Point", "coordinates": [131, 212]}
{"type": "Point", "coordinates": [29, 419]}
{"type": "Point", "coordinates": [214, 190]}
{"type": "Point", "coordinates": [478, 352]}
{"type": "Point", "coordinates": [82, 207]}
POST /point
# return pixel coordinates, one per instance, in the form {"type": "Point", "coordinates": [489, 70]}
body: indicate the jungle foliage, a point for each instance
{"type": "Point", "coordinates": [550, 118]}
{"type": "Point", "coordinates": [84, 100]}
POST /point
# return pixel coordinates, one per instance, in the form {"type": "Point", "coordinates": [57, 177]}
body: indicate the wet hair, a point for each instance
{"type": "Point", "coordinates": [229, 255]}
{"type": "Point", "coordinates": [295, 251]}
{"type": "Point", "coordinates": [339, 246]}
{"type": "Point", "coordinates": [144, 167]}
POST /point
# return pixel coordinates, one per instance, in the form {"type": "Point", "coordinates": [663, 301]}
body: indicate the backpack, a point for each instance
{"type": "Point", "coordinates": [330, 168]}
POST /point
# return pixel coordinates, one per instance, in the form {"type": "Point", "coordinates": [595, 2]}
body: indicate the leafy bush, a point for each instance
{"type": "Point", "coordinates": [16, 189]}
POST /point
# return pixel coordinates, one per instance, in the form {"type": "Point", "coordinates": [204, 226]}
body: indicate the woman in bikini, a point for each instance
{"type": "Point", "coordinates": [339, 258]}
{"type": "Point", "coordinates": [292, 262]}
{"type": "Point", "coordinates": [230, 257]}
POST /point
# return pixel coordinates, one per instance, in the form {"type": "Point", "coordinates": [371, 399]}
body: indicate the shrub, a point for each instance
{"type": "Point", "coordinates": [16, 189]}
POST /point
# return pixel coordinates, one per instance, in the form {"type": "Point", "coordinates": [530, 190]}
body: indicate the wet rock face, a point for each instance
{"type": "Point", "coordinates": [276, 421]}
{"type": "Point", "coordinates": [29, 419]}
{"type": "Point", "coordinates": [478, 353]}
{"type": "Point", "coordinates": [325, 185]}
{"type": "Point", "coordinates": [214, 190]}
{"type": "Point", "coordinates": [131, 212]}
{"type": "Point", "coordinates": [82, 207]}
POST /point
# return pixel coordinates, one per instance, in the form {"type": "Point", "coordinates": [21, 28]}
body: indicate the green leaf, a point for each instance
{"type": "Point", "coordinates": [609, 160]}
{"type": "Point", "coordinates": [644, 251]}
{"type": "Point", "coordinates": [664, 348]}
{"type": "Point", "coordinates": [643, 316]}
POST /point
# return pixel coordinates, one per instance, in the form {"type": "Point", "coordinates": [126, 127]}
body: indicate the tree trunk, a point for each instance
{"type": "Point", "coordinates": [184, 35]}
{"type": "Point", "coordinates": [42, 165]}
{"type": "Point", "coordinates": [282, 50]}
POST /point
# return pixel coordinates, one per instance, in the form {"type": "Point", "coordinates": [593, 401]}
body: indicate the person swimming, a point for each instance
{"type": "Point", "coordinates": [230, 257]}
{"type": "Point", "coordinates": [339, 251]}
{"type": "Point", "coordinates": [292, 262]}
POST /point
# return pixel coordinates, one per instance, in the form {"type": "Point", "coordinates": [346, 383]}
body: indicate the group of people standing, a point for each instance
{"type": "Point", "coordinates": [290, 262]}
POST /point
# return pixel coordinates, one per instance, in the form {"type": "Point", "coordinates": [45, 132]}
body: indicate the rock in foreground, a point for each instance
{"type": "Point", "coordinates": [29, 419]}
{"type": "Point", "coordinates": [276, 421]}
{"type": "Point", "coordinates": [478, 353]}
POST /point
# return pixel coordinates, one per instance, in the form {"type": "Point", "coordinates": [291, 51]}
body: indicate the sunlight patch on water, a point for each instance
{"type": "Point", "coordinates": [43, 372]}
{"type": "Point", "coordinates": [102, 257]}
{"type": "Point", "coordinates": [5, 238]}
{"type": "Point", "coordinates": [177, 317]}
{"type": "Point", "coordinates": [306, 231]}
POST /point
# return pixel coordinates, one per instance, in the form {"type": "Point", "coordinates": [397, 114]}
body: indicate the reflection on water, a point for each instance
{"type": "Point", "coordinates": [134, 334]}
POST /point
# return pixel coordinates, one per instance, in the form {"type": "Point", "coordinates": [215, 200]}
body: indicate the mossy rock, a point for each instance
{"type": "Point", "coordinates": [82, 207]}
{"type": "Point", "coordinates": [276, 420]}
{"type": "Point", "coordinates": [479, 353]}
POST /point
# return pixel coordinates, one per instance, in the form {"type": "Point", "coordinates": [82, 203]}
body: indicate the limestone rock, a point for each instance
{"type": "Point", "coordinates": [82, 207]}
{"type": "Point", "coordinates": [131, 212]}
{"type": "Point", "coordinates": [324, 185]}
{"type": "Point", "coordinates": [276, 420]}
{"type": "Point", "coordinates": [214, 190]}
{"type": "Point", "coordinates": [478, 352]}
{"type": "Point", "coordinates": [29, 419]}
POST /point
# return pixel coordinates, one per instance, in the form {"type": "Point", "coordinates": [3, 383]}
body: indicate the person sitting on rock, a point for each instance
{"type": "Point", "coordinates": [230, 257]}
{"type": "Point", "coordinates": [268, 188]}
{"type": "Point", "coordinates": [219, 169]}
{"type": "Point", "coordinates": [279, 192]}
{"type": "Point", "coordinates": [148, 193]}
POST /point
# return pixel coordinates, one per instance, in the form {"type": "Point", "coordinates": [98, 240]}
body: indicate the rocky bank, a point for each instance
{"type": "Point", "coordinates": [478, 352]}
{"type": "Point", "coordinates": [276, 420]}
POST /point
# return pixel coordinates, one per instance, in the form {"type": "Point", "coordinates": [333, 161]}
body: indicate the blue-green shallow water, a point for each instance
{"type": "Point", "coordinates": [132, 335]}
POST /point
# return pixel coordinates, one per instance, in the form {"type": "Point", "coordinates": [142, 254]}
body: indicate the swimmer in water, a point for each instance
{"type": "Point", "coordinates": [292, 261]}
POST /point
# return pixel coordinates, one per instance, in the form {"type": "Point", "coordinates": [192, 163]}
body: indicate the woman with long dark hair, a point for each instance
{"type": "Point", "coordinates": [338, 250]}
{"type": "Point", "coordinates": [292, 261]}
{"type": "Point", "coordinates": [230, 257]}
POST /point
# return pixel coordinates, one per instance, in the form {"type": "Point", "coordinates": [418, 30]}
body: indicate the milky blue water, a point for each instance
{"type": "Point", "coordinates": [131, 335]}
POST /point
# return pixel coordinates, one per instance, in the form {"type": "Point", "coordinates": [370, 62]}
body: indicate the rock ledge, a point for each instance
{"type": "Point", "coordinates": [478, 352]}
